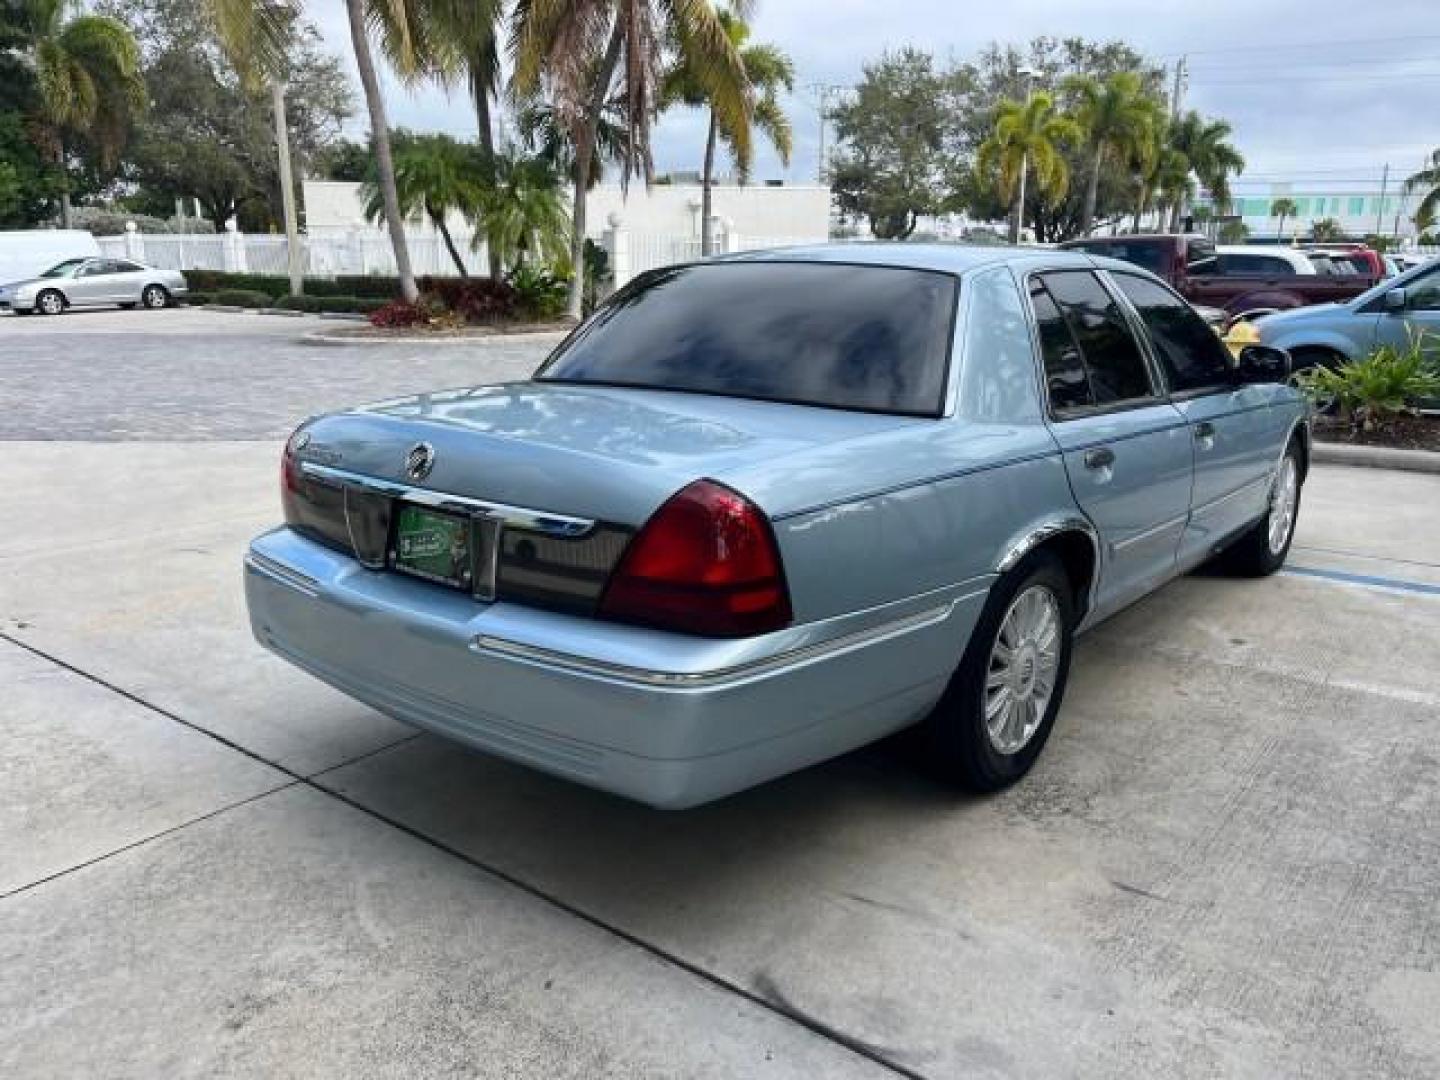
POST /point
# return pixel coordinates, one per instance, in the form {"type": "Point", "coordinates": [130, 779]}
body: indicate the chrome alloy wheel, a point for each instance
{"type": "Point", "coordinates": [1023, 663]}
{"type": "Point", "coordinates": [51, 302]}
{"type": "Point", "coordinates": [1283, 499]}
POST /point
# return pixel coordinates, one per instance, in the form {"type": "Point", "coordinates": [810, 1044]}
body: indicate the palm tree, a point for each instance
{"type": "Point", "coordinates": [256, 35]}
{"type": "Point", "coordinates": [1119, 120]}
{"type": "Point", "coordinates": [436, 174]}
{"type": "Point", "coordinates": [524, 210]}
{"type": "Point", "coordinates": [768, 71]}
{"type": "Point", "coordinates": [1027, 138]}
{"type": "Point", "coordinates": [574, 49]}
{"type": "Point", "coordinates": [1205, 144]}
{"type": "Point", "coordinates": [1163, 174]}
{"type": "Point", "coordinates": [1283, 208]}
{"type": "Point", "coordinates": [87, 69]}
{"type": "Point", "coordinates": [1326, 229]}
{"type": "Point", "coordinates": [448, 40]}
{"type": "Point", "coordinates": [1427, 179]}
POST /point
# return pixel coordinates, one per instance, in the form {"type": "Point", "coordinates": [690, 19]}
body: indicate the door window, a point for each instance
{"type": "Point", "coordinates": [1200, 257]}
{"type": "Point", "coordinates": [1065, 380]}
{"type": "Point", "coordinates": [1424, 293]}
{"type": "Point", "coordinates": [1270, 265]}
{"type": "Point", "coordinates": [1192, 356]}
{"type": "Point", "coordinates": [1114, 366]}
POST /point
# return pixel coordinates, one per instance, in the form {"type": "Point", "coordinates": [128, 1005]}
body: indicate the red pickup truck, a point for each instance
{"type": "Point", "coordinates": [1191, 265]}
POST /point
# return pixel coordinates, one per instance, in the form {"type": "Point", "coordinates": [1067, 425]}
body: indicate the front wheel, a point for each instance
{"type": "Point", "coordinates": [1001, 704]}
{"type": "Point", "coordinates": [155, 297]}
{"type": "Point", "coordinates": [50, 302]}
{"type": "Point", "coordinates": [1263, 549]}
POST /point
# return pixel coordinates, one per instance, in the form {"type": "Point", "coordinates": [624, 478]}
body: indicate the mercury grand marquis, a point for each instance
{"type": "Point", "coordinates": [758, 511]}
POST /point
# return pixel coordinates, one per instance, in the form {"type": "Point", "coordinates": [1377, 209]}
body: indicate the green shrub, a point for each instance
{"type": "Point", "coordinates": [246, 298]}
{"type": "Point", "coordinates": [374, 288]}
{"type": "Point", "coordinates": [198, 299]}
{"type": "Point", "coordinates": [539, 294]}
{"type": "Point", "coordinates": [1368, 391]}
{"type": "Point", "coordinates": [298, 303]}
{"type": "Point", "coordinates": [399, 313]}
{"type": "Point", "coordinates": [278, 285]}
{"type": "Point", "coordinates": [366, 304]}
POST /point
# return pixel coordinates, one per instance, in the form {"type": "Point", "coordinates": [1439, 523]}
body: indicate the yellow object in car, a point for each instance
{"type": "Point", "coordinates": [1240, 335]}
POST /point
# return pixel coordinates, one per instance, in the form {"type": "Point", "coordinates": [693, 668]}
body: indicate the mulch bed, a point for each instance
{"type": "Point", "coordinates": [365, 330]}
{"type": "Point", "coordinates": [1401, 432]}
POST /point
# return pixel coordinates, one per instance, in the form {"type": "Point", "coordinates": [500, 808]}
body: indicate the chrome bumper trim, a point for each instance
{"type": "Point", "coordinates": [279, 572]}
{"type": "Point", "coordinates": [513, 517]}
{"type": "Point", "coordinates": [678, 680]}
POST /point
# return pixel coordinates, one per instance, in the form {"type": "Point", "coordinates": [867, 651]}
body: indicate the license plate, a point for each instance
{"type": "Point", "coordinates": [434, 546]}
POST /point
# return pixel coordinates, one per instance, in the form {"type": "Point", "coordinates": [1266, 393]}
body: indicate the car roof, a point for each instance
{"type": "Point", "coordinates": [947, 258]}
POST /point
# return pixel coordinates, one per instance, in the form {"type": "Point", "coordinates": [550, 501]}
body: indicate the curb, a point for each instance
{"type": "Point", "coordinates": [1374, 457]}
{"type": "Point", "coordinates": [321, 338]}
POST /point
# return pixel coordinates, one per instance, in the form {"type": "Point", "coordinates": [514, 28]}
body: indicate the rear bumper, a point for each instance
{"type": "Point", "coordinates": [666, 719]}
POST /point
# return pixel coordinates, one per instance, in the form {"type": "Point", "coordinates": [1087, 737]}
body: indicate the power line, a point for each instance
{"type": "Point", "coordinates": [1295, 45]}
{"type": "Point", "coordinates": [1320, 78]}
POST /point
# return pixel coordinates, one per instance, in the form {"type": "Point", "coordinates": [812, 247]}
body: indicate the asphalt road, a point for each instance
{"type": "Point", "coordinates": [1223, 865]}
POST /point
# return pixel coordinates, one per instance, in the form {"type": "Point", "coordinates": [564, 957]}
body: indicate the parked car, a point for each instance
{"type": "Point", "coordinates": [1248, 260]}
{"type": "Point", "coordinates": [1192, 265]}
{"type": "Point", "coordinates": [1359, 258]}
{"type": "Point", "coordinates": [761, 510]}
{"type": "Point", "coordinates": [1394, 312]}
{"type": "Point", "coordinates": [91, 283]}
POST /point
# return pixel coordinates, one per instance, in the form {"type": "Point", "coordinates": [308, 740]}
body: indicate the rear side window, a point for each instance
{"type": "Point", "coordinates": [1254, 264]}
{"type": "Point", "coordinates": [1192, 356]}
{"type": "Point", "coordinates": [873, 338]}
{"type": "Point", "coordinates": [1114, 366]}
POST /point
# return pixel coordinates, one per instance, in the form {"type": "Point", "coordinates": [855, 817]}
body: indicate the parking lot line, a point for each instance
{"type": "Point", "coordinates": [1370, 580]}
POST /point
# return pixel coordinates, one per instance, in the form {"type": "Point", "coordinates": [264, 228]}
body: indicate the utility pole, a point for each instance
{"type": "Point", "coordinates": [823, 93]}
{"type": "Point", "coordinates": [1178, 90]}
{"type": "Point", "coordinates": [287, 191]}
{"type": "Point", "coordinates": [1380, 206]}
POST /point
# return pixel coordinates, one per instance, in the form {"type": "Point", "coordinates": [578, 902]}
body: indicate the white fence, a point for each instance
{"type": "Point", "coordinates": [370, 252]}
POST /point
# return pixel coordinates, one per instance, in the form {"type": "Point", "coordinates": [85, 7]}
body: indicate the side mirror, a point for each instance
{"type": "Point", "coordinates": [1262, 364]}
{"type": "Point", "coordinates": [1395, 300]}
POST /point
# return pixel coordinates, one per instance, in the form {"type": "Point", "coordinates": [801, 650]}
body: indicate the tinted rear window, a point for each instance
{"type": "Point", "coordinates": [849, 337]}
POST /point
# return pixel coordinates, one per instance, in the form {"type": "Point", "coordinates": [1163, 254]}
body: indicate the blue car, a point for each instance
{"type": "Point", "coordinates": [1395, 312]}
{"type": "Point", "coordinates": [761, 510]}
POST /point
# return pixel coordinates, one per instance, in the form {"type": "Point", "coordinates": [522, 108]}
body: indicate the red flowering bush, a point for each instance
{"type": "Point", "coordinates": [473, 300]}
{"type": "Point", "coordinates": [401, 313]}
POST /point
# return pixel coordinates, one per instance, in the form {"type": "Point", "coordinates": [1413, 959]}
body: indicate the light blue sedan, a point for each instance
{"type": "Point", "coordinates": [761, 510]}
{"type": "Point", "coordinates": [1394, 312]}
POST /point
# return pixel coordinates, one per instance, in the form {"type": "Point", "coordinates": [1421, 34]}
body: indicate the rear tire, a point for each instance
{"type": "Point", "coordinates": [1263, 550]}
{"type": "Point", "coordinates": [155, 297]}
{"type": "Point", "coordinates": [997, 713]}
{"type": "Point", "coordinates": [50, 302]}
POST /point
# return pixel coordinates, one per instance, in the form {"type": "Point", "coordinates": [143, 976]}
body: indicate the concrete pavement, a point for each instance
{"type": "Point", "coordinates": [210, 864]}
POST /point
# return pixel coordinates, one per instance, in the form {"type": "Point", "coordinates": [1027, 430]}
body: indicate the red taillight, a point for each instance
{"type": "Point", "coordinates": [705, 563]}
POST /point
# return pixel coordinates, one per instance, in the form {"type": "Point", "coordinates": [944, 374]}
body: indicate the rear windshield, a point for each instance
{"type": "Point", "coordinates": [873, 338]}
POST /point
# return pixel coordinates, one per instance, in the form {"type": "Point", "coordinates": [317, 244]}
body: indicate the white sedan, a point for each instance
{"type": "Point", "coordinates": [93, 282]}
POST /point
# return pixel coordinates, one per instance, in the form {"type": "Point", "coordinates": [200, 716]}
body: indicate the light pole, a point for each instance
{"type": "Point", "coordinates": [1028, 74]}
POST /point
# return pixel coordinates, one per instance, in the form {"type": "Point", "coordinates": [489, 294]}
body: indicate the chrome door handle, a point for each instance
{"type": "Point", "coordinates": [1102, 457]}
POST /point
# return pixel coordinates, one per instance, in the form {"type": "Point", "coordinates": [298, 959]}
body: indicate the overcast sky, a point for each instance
{"type": "Point", "coordinates": [1323, 92]}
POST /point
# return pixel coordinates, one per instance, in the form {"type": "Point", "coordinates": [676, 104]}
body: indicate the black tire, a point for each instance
{"type": "Point", "coordinates": [128, 305]}
{"type": "Point", "coordinates": [1253, 554]}
{"type": "Point", "coordinates": [155, 297]}
{"type": "Point", "coordinates": [50, 302]}
{"type": "Point", "coordinates": [957, 742]}
{"type": "Point", "coordinates": [1303, 358]}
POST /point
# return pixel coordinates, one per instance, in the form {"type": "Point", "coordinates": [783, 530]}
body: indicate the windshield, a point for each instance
{"type": "Point", "coordinates": [64, 269]}
{"type": "Point", "coordinates": [872, 338]}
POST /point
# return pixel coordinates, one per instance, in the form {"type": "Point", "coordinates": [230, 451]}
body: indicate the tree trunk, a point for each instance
{"type": "Point", "coordinates": [440, 227]}
{"type": "Point", "coordinates": [1092, 192]}
{"type": "Point", "coordinates": [64, 185]}
{"type": "Point", "coordinates": [584, 155]}
{"type": "Point", "coordinates": [384, 162]}
{"type": "Point", "coordinates": [707, 183]}
{"type": "Point", "coordinates": [483, 125]}
{"type": "Point", "coordinates": [1140, 200]}
{"type": "Point", "coordinates": [1280, 229]}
